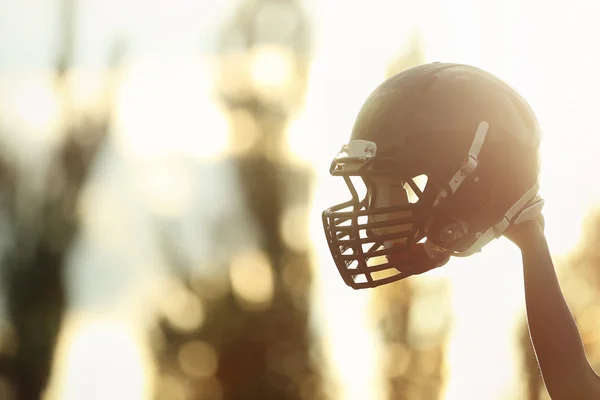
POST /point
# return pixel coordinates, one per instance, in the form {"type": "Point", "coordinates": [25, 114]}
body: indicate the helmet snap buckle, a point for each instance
{"type": "Point", "coordinates": [469, 165]}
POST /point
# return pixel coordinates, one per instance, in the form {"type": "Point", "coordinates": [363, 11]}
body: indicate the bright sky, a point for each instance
{"type": "Point", "coordinates": [549, 51]}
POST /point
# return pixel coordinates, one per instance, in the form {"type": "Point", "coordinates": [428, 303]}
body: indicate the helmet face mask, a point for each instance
{"type": "Point", "coordinates": [389, 217]}
{"type": "Point", "coordinates": [442, 160]}
{"type": "Point", "coordinates": [361, 235]}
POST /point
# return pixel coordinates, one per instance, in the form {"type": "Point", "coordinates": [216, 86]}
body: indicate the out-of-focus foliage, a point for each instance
{"type": "Point", "coordinates": [255, 339]}
{"type": "Point", "coordinates": [33, 273]}
{"type": "Point", "coordinates": [39, 221]}
{"type": "Point", "coordinates": [409, 57]}
{"type": "Point", "coordinates": [414, 322]}
{"type": "Point", "coordinates": [581, 274]}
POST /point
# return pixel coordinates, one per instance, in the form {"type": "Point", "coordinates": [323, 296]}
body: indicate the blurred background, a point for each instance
{"type": "Point", "coordinates": [163, 167]}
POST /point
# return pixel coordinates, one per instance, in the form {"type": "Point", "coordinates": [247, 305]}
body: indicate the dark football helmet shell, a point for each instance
{"type": "Point", "coordinates": [471, 136]}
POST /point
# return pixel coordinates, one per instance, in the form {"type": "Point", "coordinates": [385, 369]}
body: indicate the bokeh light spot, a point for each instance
{"type": "Point", "coordinates": [252, 280]}
{"type": "Point", "coordinates": [198, 359]}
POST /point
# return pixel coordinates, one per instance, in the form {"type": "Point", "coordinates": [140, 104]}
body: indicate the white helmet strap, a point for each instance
{"type": "Point", "coordinates": [527, 208]}
{"type": "Point", "coordinates": [469, 164]}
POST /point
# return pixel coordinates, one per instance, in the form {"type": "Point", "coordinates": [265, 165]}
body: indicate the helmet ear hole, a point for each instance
{"type": "Point", "coordinates": [446, 231]}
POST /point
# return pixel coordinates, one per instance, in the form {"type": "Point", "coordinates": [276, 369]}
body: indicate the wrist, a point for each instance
{"type": "Point", "coordinates": [527, 235]}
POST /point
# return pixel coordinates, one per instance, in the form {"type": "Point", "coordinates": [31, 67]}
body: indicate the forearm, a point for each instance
{"type": "Point", "coordinates": [554, 334]}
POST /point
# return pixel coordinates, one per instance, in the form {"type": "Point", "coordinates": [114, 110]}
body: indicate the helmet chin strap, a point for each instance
{"type": "Point", "coordinates": [528, 207]}
{"type": "Point", "coordinates": [467, 168]}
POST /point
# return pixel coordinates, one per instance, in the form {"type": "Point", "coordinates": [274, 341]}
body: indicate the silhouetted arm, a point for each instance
{"type": "Point", "coordinates": [556, 340]}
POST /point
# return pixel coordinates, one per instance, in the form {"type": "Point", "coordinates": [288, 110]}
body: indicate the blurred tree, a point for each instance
{"type": "Point", "coordinates": [582, 284]}
{"type": "Point", "coordinates": [413, 314]}
{"type": "Point", "coordinates": [411, 56]}
{"type": "Point", "coordinates": [257, 329]}
{"type": "Point", "coordinates": [41, 221]}
{"type": "Point", "coordinates": [579, 274]}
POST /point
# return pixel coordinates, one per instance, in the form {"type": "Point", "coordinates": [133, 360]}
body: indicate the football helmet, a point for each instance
{"type": "Point", "coordinates": [442, 159]}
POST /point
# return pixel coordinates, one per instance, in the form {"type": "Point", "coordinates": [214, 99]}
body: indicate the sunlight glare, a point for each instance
{"type": "Point", "coordinates": [167, 108]}
{"type": "Point", "coordinates": [29, 99]}
{"type": "Point", "coordinates": [481, 359]}
{"type": "Point", "coordinates": [252, 278]}
{"type": "Point", "coordinates": [101, 359]}
{"type": "Point", "coordinates": [271, 67]}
